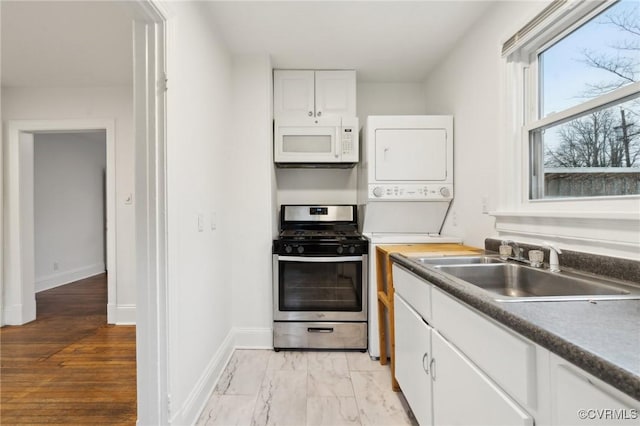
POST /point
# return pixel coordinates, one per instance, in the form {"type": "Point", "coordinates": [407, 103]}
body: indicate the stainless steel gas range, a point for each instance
{"type": "Point", "coordinates": [319, 279]}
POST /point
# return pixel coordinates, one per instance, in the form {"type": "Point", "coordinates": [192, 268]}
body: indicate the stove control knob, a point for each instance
{"type": "Point", "coordinates": [288, 249]}
{"type": "Point", "coordinates": [340, 249]}
{"type": "Point", "coordinates": [444, 191]}
{"type": "Point", "coordinates": [378, 191]}
{"type": "Point", "coordinates": [352, 249]}
{"type": "Point", "coordinates": [300, 249]}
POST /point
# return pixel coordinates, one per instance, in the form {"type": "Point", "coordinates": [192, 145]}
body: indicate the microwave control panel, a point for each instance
{"type": "Point", "coordinates": [349, 140]}
{"type": "Point", "coordinates": [415, 192]}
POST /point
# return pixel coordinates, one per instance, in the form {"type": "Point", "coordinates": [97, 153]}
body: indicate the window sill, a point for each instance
{"type": "Point", "coordinates": [606, 233]}
{"type": "Point", "coordinates": [569, 215]}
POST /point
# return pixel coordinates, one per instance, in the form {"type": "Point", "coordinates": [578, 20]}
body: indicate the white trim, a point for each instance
{"type": "Point", "coordinates": [193, 406]}
{"type": "Point", "coordinates": [620, 95]}
{"type": "Point", "coordinates": [19, 252]}
{"type": "Point", "coordinates": [57, 279]}
{"type": "Point", "coordinates": [589, 215]}
{"type": "Point", "coordinates": [152, 336]}
{"type": "Point", "coordinates": [124, 314]}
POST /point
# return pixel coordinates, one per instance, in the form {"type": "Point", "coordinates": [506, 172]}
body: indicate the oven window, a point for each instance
{"type": "Point", "coordinates": [330, 286]}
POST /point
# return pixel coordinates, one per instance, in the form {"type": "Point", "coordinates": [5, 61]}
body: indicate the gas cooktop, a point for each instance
{"type": "Point", "coordinates": [319, 230]}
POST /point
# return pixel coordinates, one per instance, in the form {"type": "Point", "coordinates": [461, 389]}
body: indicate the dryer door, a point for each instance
{"type": "Point", "coordinates": [411, 154]}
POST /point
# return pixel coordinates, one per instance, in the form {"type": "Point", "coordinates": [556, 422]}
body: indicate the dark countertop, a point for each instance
{"type": "Point", "coordinates": [602, 338]}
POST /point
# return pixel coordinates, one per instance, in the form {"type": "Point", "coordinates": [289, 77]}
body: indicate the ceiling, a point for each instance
{"type": "Point", "coordinates": [66, 43]}
{"type": "Point", "coordinates": [385, 41]}
{"type": "Point", "coordinates": [88, 43]}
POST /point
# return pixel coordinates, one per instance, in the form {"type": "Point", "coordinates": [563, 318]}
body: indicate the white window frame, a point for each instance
{"type": "Point", "coordinates": [607, 225]}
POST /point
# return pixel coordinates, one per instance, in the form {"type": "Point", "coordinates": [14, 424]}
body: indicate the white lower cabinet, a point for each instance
{"type": "Point", "coordinates": [478, 372]}
{"type": "Point", "coordinates": [413, 355]}
{"type": "Point", "coordinates": [580, 399]}
{"type": "Point", "coordinates": [464, 395]}
{"type": "Point", "coordinates": [443, 385]}
{"type": "Point", "coordinates": [440, 384]}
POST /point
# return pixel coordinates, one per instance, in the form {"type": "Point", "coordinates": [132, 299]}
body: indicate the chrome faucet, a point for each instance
{"type": "Point", "coordinates": [554, 251]}
{"type": "Point", "coordinates": [517, 251]}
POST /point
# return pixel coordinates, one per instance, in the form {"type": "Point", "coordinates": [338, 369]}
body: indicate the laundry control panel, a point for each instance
{"type": "Point", "coordinates": [411, 192]}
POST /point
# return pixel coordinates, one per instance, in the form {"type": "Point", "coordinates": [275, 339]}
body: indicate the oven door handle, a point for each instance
{"type": "Point", "coordinates": [320, 330]}
{"type": "Point", "coordinates": [308, 259]}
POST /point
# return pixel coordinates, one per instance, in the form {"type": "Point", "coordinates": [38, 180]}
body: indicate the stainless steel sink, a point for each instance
{"type": "Point", "coordinates": [457, 260]}
{"type": "Point", "coordinates": [512, 282]}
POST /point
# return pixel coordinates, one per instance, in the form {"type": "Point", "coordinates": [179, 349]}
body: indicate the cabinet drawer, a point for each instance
{"type": "Point", "coordinates": [504, 356]}
{"type": "Point", "coordinates": [414, 290]}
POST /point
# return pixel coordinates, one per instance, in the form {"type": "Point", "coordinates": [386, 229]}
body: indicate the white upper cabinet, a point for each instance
{"type": "Point", "coordinates": [293, 93]}
{"type": "Point", "coordinates": [307, 93]}
{"type": "Point", "coordinates": [335, 93]}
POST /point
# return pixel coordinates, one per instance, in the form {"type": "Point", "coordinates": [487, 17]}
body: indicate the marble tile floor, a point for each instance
{"type": "Point", "coordinates": [263, 387]}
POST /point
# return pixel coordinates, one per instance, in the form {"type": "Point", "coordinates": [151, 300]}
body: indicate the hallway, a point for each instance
{"type": "Point", "coordinates": [68, 366]}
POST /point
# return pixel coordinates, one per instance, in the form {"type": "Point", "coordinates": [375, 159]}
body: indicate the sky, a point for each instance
{"type": "Point", "coordinates": [564, 72]}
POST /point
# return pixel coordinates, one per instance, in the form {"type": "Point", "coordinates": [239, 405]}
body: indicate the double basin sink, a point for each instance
{"type": "Point", "coordinates": [513, 282]}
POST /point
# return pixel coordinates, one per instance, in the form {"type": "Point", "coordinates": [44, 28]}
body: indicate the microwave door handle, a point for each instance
{"type": "Point", "coordinates": [338, 141]}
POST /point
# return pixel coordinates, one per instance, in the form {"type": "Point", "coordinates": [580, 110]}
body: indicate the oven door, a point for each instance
{"type": "Point", "coordinates": [332, 288]}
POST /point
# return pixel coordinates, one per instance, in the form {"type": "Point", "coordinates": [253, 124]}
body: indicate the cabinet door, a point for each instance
{"type": "Point", "coordinates": [335, 93]}
{"type": "Point", "coordinates": [579, 399]}
{"type": "Point", "coordinates": [464, 395]}
{"type": "Point", "coordinates": [293, 93]}
{"type": "Point", "coordinates": [412, 355]}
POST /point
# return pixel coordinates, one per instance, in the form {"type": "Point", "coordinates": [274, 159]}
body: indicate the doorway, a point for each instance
{"type": "Point", "coordinates": [20, 263]}
{"type": "Point", "coordinates": [69, 207]}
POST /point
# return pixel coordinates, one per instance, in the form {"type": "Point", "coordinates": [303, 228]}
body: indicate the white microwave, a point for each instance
{"type": "Point", "coordinates": [316, 142]}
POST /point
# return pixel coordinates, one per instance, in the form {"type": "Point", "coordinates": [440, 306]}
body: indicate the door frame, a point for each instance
{"type": "Point", "coordinates": [19, 305]}
{"type": "Point", "coordinates": [152, 331]}
{"type": "Point", "coordinates": [152, 340]}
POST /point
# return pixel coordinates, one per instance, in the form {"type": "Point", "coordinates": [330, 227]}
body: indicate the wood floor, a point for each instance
{"type": "Point", "coordinates": [69, 366]}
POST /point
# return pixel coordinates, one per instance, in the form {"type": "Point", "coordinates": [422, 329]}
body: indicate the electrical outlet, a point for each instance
{"type": "Point", "coordinates": [213, 221]}
{"type": "Point", "coordinates": [454, 218]}
{"type": "Point", "coordinates": [56, 266]}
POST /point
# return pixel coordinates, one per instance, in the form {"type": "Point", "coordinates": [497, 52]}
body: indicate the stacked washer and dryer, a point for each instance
{"type": "Point", "coordinates": [405, 188]}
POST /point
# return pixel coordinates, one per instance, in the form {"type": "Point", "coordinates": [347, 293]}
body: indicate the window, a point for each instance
{"type": "Point", "coordinates": [583, 120]}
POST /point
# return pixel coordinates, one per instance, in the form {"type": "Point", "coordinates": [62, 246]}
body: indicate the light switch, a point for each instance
{"type": "Point", "coordinates": [485, 205]}
{"type": "Point", "coordinates": [213, 221]}
{"type": "Point", "coordinates": [200, 222]}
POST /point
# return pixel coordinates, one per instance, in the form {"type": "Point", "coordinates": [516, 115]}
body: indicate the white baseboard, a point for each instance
{"type": "Point", "coordinates": [190, 411]}
{"type": "Point", "coordinates": [238, 338]}
{"type": "Point", "coordinates": [20, 313]}
{"type": "Point", "coordinates": [122, 314]}
{"type": "Point", "coordinates": [65, 277]}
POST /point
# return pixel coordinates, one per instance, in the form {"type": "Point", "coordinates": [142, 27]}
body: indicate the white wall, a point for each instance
{"type": "Point", "coordinates": [469, 85]}
{"type": "Point", "coordinates": [69, 208]}
{"type": "Point", "coordinates": [390, 99]}
{"type": "Point", "coordinates": [115, 103]}
{"type": "Point", "coordinates": [339, 186]}
{"type": "Point", "coordinates": [199, 165]}
{"type": "Point", "coordinates": [250, 200]}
